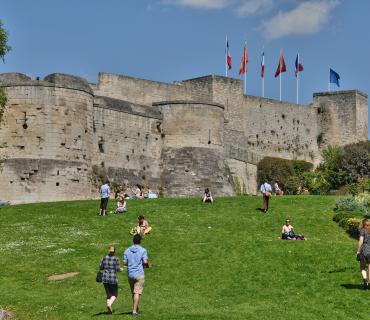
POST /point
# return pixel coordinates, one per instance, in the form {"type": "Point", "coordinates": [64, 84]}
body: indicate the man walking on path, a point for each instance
{"type": "Point", "coordinates": [104, 194]}
{"type": "Point", "coordinates": [266, 191]}
{"type": "Point", "coordinates": [136, 259]}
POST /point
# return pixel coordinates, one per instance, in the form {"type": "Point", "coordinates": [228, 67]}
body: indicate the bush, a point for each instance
{"type": "Point", "coordinates": [363, 199]}
{"type": "Point", "coordinates": [342, 191]}
{"type": "Point", "coordinates": [350, 205]}
{"type": "Point", "coordinates": [294, 185]}
{"type": "Point", "coordinates": [301, 166]}
{"type": "Point", "coordinates": [316, 183]}
{"type": "Point", "coordinates": [341, 215]}
{"type": "Point", "coordinates": [351, 226]}
{"type": "Point", "coordinates": [271, 168]}
{"type": "Point", "coordinates": [362, 185]}
{"type": "Point", "coordinates": [354, 161]}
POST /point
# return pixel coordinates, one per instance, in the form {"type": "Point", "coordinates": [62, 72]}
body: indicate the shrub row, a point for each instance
{"type": "Point", "coordinates": [350, 211]}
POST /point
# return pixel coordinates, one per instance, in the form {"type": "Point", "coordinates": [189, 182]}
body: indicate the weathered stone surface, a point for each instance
{"type": "Point", "coordinates": [61, 135]}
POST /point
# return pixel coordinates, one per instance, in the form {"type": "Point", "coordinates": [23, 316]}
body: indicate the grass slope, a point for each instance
{"type": "Point", "coordinates": [219, 261]}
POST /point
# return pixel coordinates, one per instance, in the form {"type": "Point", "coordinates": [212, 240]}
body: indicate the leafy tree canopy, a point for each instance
{"type": "Point", "coordinates": [4, 48]}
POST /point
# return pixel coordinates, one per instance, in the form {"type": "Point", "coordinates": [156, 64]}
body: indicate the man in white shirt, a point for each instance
{"type": "Point", "coordinates": [104, 194]}
{"type": "Point", "coordinates": [266, 191]}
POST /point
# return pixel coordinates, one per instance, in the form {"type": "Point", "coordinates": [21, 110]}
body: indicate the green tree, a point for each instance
{"type": "Point", "coordinates": [4, 49]}
{"type": "Point", "coordinates": [271, 168]}
{"type": "Point", "coordinates": [355, 161]}
{"type": "Point", "coordinates": [330, 168]}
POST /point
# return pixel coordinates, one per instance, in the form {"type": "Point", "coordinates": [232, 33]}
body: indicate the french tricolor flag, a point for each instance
{"type": "Point", "coordinates": [298, 65]}
{"type": "Point", "coordinates": [263, 65]}
{"type": "Point", "coordinates": [228, 56]}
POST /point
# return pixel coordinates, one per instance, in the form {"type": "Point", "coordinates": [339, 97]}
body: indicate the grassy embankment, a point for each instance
{"type": "Point", "coordinates": [220, 261]}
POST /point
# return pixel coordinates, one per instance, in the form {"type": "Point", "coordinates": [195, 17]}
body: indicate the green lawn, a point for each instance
{"type": "Point", "coordinates": [219, 261]}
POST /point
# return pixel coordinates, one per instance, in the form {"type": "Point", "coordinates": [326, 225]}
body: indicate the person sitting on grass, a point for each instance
{"type": "Point", "coordinates": [4, 203]}
{"type": "Point", "coordinates": [287, 232]}
{"type": "Point", "coordinates": [207, 197]}
{"type": "Point", "coordinates": [142, 227]}
{"type": "Point", "coordinates": [277, 189]}
{"type": "Point", "coordinates": [137, 192]}
{"type": "Point", "coordinates": [121, 205]}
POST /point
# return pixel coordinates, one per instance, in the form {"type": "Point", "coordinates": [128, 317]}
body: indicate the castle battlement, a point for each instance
{"type": "Point", "coordinates": [60, 134]}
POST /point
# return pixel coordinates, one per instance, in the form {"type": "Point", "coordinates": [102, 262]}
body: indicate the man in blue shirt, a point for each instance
{"type": "Point", "coordinates": [104, 194]}
{"type": "Point", "coordinates": [136, 259]}
{"type": "Point", "coordinates": [266, 191]}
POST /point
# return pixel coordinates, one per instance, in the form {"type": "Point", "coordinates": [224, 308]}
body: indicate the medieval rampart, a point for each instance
{"type": "Point", "coordinates": [60, 134]}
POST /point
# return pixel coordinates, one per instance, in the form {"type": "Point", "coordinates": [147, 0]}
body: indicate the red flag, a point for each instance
{"type": "Point", "coordinates": [263, 65]}
{"type": "Point", "coordinates": [228, 56]}
{"type": "Point", "coordinates": [243, 63]}
{"type": "Point", "coordinates": [281, 67]}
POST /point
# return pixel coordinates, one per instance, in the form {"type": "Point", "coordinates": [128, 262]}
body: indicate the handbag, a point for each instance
{"type": "Point", "coordinates": [99, 276]}
{"type": "Point", "coordinates": [267, 193]}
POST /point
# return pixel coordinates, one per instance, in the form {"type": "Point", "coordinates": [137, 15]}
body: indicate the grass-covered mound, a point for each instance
{"type": "Point", "coordinates": [209, 261]}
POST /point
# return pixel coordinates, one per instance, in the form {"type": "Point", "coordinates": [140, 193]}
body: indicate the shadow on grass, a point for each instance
{"type": "Point", "coordinates": [105, 313]}
{"type": "Point", "coordinates": [339, 270]}
{"type": "Point", "coordinates": [352, 286]}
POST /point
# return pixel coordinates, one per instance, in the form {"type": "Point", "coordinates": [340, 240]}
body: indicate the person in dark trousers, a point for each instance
{"type": "Point", "coordinates": [266, 191]}
{"type": "Point", "coordinates": [363, 252]}
{"type": "Point", "coordinates": [136, 259]}
{"type": "Point", "coordinates": [110, 266]}
{"type": "Point", "coordinates": [104, 195]}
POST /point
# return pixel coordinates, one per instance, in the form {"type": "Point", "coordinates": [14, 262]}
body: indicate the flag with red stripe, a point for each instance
{"type": "Point", "coordinates": [243, 63]}
{"type": "Point", "coordinates": [298, 65]}
{"type": "Point", "coordinates": [281, 67]}
{"type": "Point", "coordinates": [228, 56]}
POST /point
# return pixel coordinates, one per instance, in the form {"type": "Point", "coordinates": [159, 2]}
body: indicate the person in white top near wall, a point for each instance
{"type": "Point", "coordinates": [266, 191]}
{"type": "Point", "coordinates": [104, 194]}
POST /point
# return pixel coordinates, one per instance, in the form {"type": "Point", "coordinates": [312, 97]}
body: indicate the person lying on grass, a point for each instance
{"type": "Point", "coordinates": [287, 232]}
{"type": "Point", "coordinates": [142, 226]}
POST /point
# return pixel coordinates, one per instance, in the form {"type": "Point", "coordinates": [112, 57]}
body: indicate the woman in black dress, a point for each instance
{"type": "Point", "coordinates": [363, 252]}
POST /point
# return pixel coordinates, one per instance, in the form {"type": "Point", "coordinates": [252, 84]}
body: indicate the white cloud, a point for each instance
{"type": "Point", "coordinates": [308, 18]}
{"type": "Point", "coordinates": [253, 7]}
{"type": "Point", "coordinates": [200, 4]}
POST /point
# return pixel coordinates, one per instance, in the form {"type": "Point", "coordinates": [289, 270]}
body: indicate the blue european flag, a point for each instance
{"type": "Point", "coordinates": [334, 77]}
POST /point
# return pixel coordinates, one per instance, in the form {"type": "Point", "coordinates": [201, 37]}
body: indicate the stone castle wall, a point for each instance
{"type": "Point", "coordinates": [61, 135]}
{"type": "Point", "coordinates": [45, 139]}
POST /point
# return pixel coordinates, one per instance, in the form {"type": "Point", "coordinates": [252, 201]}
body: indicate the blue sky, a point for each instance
{"type": "Point", "coordinates": [170, 40]}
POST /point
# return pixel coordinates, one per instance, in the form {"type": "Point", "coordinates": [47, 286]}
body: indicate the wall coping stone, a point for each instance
{"type": "Point", "coordinates": [127, 107]}
{"type": "Point", "coordinates": [339, 92]}
{"type": "Point", "coordinates": [177, 102]}
{"type": "Point", "coordinates": [56, 80]}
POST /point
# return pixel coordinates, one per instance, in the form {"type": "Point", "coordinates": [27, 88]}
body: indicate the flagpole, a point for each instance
{"type": "Point", "coordinates": [297, 77]}
{"type": "Point", "coordinates": [280, 83]}
{"type": "Point", "coordinates": [226, 58]}
{"type": "Point", "coordinates": [263, 78]}
{"type": "Point", "coordinates": [245, 73]}
{"type": "Point", "coordinates": [329, 82]}
{"type": "Point", "coordinates": [245, 64]}
{"type": "Point", "coordinates": [280, 71]}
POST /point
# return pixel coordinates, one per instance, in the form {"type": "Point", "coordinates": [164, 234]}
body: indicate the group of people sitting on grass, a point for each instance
{"type": "Point", "coordinates": [140, 192]}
